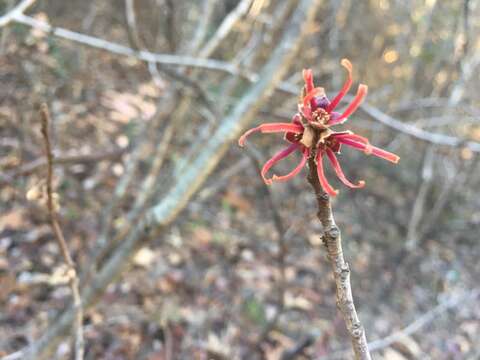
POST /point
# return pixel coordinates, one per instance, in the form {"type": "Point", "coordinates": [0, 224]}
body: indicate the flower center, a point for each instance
{"type": "Point", "coordinates": [320, 118]}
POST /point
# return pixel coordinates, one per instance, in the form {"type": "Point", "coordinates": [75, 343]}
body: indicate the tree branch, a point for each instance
{"type": "Point", "coordinates": [332, 240]}
{"type": "Point", "coordinates": [232, 69]}
{"type": "Point", "coordinates": [225, 27]}
{"type": "Point", "coordinates": [72, 275]}
{"type": "Point", "coordinates": [16, 11]}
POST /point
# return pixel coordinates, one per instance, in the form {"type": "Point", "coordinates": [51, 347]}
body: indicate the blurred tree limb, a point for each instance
{"type": "Point", "coordinates": [17, 15]}
{"type": "Point", "coordinates": [166, 210]}
{"type": "Point", "coordinates": [16, 11]}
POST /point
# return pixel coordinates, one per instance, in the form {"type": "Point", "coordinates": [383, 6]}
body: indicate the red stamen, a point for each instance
{"type": "Point", "coordinates": [361, 93]}
{"type": "Point", "coordinates": [271, 128]}
{"type": "Point", "coordinates": [321, 176]}
{"type": "Point", "coordinates": [276, 158]}
{"type": "Point", "coordinates": [346, 86]}
{"type": "Point", "coordinates": [338, 170]}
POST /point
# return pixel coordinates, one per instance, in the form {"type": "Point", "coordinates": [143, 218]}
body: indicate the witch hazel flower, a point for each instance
{"type": "Point", "coordinates": [310, 133]}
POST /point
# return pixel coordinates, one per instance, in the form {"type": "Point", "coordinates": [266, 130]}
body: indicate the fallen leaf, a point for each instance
{"type": "Point", "coordinates": [144, 257]}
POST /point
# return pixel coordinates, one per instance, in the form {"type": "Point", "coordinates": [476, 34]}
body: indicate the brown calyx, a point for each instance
{"type": "Point", "coordinates": [314, 135]}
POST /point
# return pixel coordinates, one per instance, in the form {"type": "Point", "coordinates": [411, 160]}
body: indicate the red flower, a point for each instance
{"type": "Point", "coordinates": [310, 132]}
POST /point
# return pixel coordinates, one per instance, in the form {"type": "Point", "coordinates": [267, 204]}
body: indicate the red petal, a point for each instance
{"type": "Point", "coordinates": [369, 149]}
{"type": "Point", "coordinates": [357, 138]}
{"type": "Point", "coordinates": [295, 171]}
{"type": "Point", "coordinates": [338, 170]}
{"type": "Point", "coordinates": [276, 158]}
{"type": "Point", "coordinates": [361, 93]}
{"type": "Point", "coordinates": [321, 176]}
{"type": "Point", "coordinates": [308, 78]}
{"type": "Point", "coordinates": [385, 155]}
{"type": "Point", "coordinates": [272, 128]}
{"type": "Point", "coordinates": [346, 86]}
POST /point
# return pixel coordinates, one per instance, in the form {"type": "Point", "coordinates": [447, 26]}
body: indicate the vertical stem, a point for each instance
{"type": "Point", "coordinates": [71, 273]}
{"type": "Point", "coordinates": [332, 240]}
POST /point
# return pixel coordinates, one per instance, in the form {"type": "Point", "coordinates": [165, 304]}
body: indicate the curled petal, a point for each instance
{"type": "Point", "coordinates": [357, 138]}
{"type": "Point", "coordinates": [276, 158]}
{"type": "Point", "coordinates": [338, 170]}
{"type": "Point", "coordinates": [295, 171]}
{"type": "Point", "coordinates": [307, 106]}
{"type": "Point", "coordinates": [357, 100]}
{"type": "Point", "coordinates": [321, 176]}
{"type": "Point", "coordinates": [346, 86]}
{"type": "Point", "coordinates": [297, 119]}
{"type": "Point", "coordinates": [272, 128]}
{"type": "Point", "coordinates": [371, 150]}
{"type": "Point", "coordinates": [308, 78]}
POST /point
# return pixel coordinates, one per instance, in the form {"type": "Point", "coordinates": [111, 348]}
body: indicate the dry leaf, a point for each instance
{"type": "Point", "coordinates": [391, 354]}
{"type": "Point", "coordinates": [144, 257]}
{"type": "Point", "coordinates": [12, 220]}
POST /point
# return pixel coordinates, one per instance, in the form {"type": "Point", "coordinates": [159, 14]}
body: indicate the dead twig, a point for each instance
{"type": "Point", "coordinates": [71, 272]}
{"type": "Point", "coordinates": [332, 240]}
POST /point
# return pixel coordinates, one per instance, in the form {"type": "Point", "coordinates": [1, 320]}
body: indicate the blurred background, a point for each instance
{"type": "Point", "coordinates": [239, 271]}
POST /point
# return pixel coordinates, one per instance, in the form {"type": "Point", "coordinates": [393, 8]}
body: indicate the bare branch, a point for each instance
{"type": "Point", "coordinates": [72, 275]}
{"type": "Point", "coordinates": [16, 11]}
{"type": "Point", "coordinates": [434, 138]}
{"type": "Point", "coordinates": [166, 59]}
{"type": "Point", "coordinates": [225, 28]}
{"type": "Point", "coordinates": [205, 18]}
{"type": "Point", "coordinates": [332, 240]}
{"type": "Point", "coordinates": [419, 205]}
